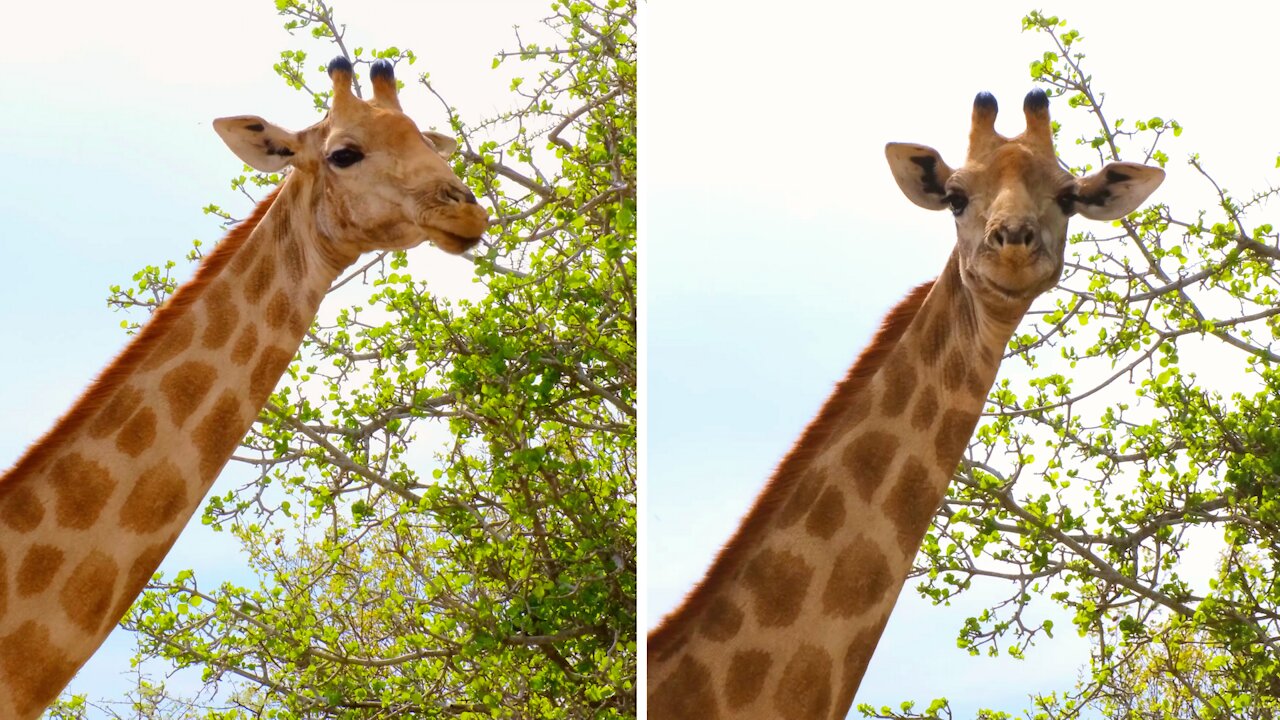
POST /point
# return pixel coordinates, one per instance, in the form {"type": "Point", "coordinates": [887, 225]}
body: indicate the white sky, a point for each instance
{"type": "Point", "coordinates": [109, 158]}
{"type": "Point", "coordinates": [774, 238]}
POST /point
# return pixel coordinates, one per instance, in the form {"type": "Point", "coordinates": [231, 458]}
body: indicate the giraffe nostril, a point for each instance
{"type": "Point", "coordinates": [1020, 235]}
{"type": "Point", "coordinates": [459, 194]}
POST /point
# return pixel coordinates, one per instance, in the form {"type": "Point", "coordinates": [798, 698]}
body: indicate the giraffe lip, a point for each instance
{"type": "Point", "coordinates": [452, 242]}
{"type": "Point", "coordinates": [1009, 293]}
{"type": "Point", "coordinates": [992, 262]}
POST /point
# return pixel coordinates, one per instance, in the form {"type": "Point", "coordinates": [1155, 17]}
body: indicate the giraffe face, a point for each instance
{"type": "Point", "coordinates": [1011, 224]}
{"type": "Point", "coordinates": [382, 184]}
{"type": "Point", "coordinates": [1012, 200]}
{"type": "Point", "coordinates": [388, 185]}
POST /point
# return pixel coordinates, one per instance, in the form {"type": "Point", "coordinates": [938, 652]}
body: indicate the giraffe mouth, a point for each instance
{"type": "Point", "coordinates": [1017, 284]}
{"type": "Point", "coordinates": [455, 227]}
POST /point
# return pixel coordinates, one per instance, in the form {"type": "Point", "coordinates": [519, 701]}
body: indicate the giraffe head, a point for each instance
{"type": "Point", "coordinates": [380, 183]}
{"type": "Point", "coordinates": [1011, 200]}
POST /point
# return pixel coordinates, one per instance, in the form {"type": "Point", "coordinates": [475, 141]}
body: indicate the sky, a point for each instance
{"type": "Point", "coordinates": [109, 154]}
{"type": "Point", "coordinates": [774, 239]}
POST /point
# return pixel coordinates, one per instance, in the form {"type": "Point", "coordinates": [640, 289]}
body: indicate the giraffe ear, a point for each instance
{"type": "Point", "coordinates": [920, 172]}
{"type": "Point", "coordinates": [258, 143]}
{"type": "Point", "coordinates": [1116, 190]}
{"type": "Point", "coordinates": [443, 144]}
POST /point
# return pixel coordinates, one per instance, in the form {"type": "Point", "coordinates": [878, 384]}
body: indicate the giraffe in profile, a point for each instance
{"type": "Point", "coordinates": [784, 623]}
{"type": "Point", "coordinates": [89, 511]}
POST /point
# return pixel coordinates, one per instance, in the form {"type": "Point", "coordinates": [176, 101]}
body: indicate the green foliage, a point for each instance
{"type": "Point", "coordinates": [443, 518]}
{"type": "Point", "coordinates": [1128, 471]}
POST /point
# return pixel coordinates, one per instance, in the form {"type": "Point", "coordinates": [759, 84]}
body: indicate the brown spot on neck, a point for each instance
{"type": "Point", "coordinates": [746, 677]}
{"type": "Point", "coordinates": [185, 386]}
{"type": "Point", "coordinates": [33, 668]}
{"type": "Point", "coordinates": [153, 334]}
{"type": "Point", "coordinates": [856, 659]}
{"type": "Point", "coordinates": [122, 405]}
{"type": "Point", "coordinates": [804, 692]}
{"type": "Point", "coordinates": [293, 260]}
{"type": "Point", "coordinates": [803, 494]}
{"type": "Point", "coordinates": [138, 433]}
{"type": "Point", "coordinates": [159, 496]}
{"type": "Point", "coordinates": [82, 488]}
{"type": "Point", "coordinates": [267, 372]}
{"type": "Point", "coordinates": [912, 502]}
{"type": "Point", "coordinates": [260, 278]}
{"type": "Point", "coordinates": [937, 332]}
{"type": "Point", "coordinates": [244, 257]}
{"type": "Point", "coordinates": [181, 332]}
{"type": "Point", "coordinates": [783, 483]}
{"type": "Point", "coordinates": [686, 694]}
{"type": "Point", "coordinates": [87, 594]}
{"type": "Point", "coordinates": [954, 369]}
{"type": "Point", "coordinates": [722, 620]}
{"type": "Point", "coordinates": [20, 509]}
{"type": "Point", "coordinates": [221, 316]}
{"type": "Point", "coordinates": [899, 385]}
{"type": "Point", "coordinates": [977, 385]}
{"type": "Point", "coordinates": [144, 567]}
{"type": "Point", "coordinates": [38, 568]}
{"type": "Point", "coordinates": [246, 345]}
{"type": "Point", "coordinates": [953, 437]}
{"type": "Point", "coordinates": [218, 434]}
{"type": "Point", "coordinates": [778, 581]}
{"type": "Point", "coordinates": [859, 579]}
{"type": "Point", "coordinates": [867, 460]}
{"type": "Point", "coordinates": [278, 309]}
{"type": "Point", "coordinates": [827, 514]}
{"type": "Point", "coordinates": [926, 409]}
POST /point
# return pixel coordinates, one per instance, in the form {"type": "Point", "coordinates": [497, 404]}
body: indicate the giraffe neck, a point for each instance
{"type": "Point", "coordinates": [88, 513]}
{"type": "Point", "coordinates": [784, 623]}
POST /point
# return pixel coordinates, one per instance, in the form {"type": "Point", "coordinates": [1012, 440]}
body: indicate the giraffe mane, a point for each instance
{"type": "Point", "coordinates": [106, 384]}
{"type": "Point", "coordinates": [667, 635]}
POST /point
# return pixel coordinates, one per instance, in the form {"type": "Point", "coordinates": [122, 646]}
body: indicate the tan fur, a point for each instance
{"type": "Point", "coordinates": [89, 511]}
{"type": "Point", "coordinates": [780, 487]}
{"type": "Point", "coordinates": [107, 383]}
{"type": "Point", "coordinates": [787, 617]}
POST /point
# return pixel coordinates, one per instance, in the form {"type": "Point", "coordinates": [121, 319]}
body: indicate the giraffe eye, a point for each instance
{"type": "Point", "coordinates": [345, 157]}
{"type": "Point", "coordinates": [958, 202]}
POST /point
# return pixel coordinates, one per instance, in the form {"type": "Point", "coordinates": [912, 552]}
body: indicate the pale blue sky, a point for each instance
{"type": "Point", "coordinates": [774, 239]}
{"type": "Point", "coordinates": [109, 157]}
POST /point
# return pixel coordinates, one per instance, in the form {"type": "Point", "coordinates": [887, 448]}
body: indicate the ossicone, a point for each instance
{"type": "Point", "coordinates": [340, 64]}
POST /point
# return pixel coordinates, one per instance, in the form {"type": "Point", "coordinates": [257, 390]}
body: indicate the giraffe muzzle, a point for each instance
{"type": "Point", "coordinates": [1012, 235]}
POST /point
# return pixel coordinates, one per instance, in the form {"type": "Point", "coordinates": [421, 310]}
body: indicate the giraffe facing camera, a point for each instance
{"type": "Point", "coordinates": [783, 624]}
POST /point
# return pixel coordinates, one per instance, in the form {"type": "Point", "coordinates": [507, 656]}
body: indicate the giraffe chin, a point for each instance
{"type": "Point", "coordinates": [1012, 274]}
{"type": "Point", "coordinates": [1017, 286]}
{"type": "Point", "coordinates": [449, 242]}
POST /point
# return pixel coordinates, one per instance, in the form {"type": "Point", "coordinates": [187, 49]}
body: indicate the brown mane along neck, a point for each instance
{"type": "Point", "coordinates": [109, 380]}
{"type": "Point", "coordinates": [664, 637]}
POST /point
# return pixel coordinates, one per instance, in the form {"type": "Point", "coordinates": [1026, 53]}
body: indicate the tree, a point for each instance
{"type": "Point", "coordinates": [1136, 417]}
{"type": "Point", "coordinates": [1178, 674]}
{"type": "Point", "coordinates": [443, 513]}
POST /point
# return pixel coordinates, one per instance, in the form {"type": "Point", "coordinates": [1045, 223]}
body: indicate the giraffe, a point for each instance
{"type": "Point", "coordinates": [91, 509]}
{"type": "Point", "coordinates": [784, 622]}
